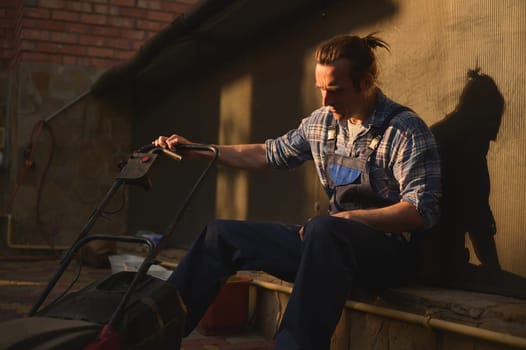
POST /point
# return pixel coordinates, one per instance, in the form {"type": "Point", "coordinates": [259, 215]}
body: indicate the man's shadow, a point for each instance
{"type": "Point", "coordinates": [464, 137]}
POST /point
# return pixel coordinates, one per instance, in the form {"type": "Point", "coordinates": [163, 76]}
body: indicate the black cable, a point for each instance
{"type": "Point", "coordinates": [68, 288]}
{"type": "Point", "coordinates": [45, 169]}
{"type": "Point", "coordinates": [122, 205]}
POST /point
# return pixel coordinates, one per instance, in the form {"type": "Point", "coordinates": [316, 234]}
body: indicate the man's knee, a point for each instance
{"type": "Point", "coordinates": [320, 227]}
{"type": "Point", "coordinates": [215, 227]}
{"type": "Point", "coordinates": [330, 227]}
{"type": "Point", "coordinates": [215, 230]}
{"type": "Point", "coordinates": [224, 234]}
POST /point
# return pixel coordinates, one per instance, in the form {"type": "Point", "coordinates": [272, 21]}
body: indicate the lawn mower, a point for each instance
{"type": "Point", "coordinates": [128, 310]}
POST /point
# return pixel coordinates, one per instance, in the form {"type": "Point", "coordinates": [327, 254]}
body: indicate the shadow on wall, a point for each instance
{"type": "Point", "coordinates": [463, 137]}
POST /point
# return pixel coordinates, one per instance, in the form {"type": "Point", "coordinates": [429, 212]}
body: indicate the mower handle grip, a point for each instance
{"type": "Point", "coordinates": [151, 148]}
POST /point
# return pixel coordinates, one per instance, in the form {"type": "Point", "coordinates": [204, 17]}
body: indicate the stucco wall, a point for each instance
{"type": "Point", "coordinates": [50, 52]}
{"type": "Point", "coordinates": [54, 198]}
{"type": "Point", "coordinates": [433, 46]}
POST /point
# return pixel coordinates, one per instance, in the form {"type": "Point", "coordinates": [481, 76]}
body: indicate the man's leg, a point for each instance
{"type": "Point", "coordinates": [336, 255]}
{"type": "Point", "coordinates": [226, 246]}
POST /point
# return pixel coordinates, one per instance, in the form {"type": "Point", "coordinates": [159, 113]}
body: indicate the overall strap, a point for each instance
{"type": "Point", "coordinates": [378, 132]}
{"type": "Point", "coordinates": [332, 132]}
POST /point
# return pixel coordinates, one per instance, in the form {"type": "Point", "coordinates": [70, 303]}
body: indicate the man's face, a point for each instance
{"type": "Point", "coordinates": [337, 89]}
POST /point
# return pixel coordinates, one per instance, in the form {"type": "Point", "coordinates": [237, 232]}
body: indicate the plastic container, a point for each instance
{"type": "Point", "coordinates": [127, 262]}
{"type": "Point", "coordinates": [228, 313]}
{"type": "Point", "coordinates": [153, 237]}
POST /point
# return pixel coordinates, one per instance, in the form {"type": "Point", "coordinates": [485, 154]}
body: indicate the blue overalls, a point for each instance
{"type": "Point", "coordinates": [349, 175]}
{"type": "Point", "coordinates": [335, 255]}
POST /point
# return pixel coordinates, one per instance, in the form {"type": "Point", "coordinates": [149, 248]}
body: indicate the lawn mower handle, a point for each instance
{"type": "Point", "coordinates": [97, 212]}
{"type": "Point", "coordinates": [170, 230]}
{"type": "Point", "coordinates": [151, 148]}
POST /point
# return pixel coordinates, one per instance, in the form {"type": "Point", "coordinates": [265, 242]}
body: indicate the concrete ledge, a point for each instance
{"type": "Point", "coordinates": [434, 318]}
{"type": "Point", "coordinates": [493, 312]}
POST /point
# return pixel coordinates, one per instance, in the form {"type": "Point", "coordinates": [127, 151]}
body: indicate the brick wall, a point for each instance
{"type": "Point", "coordinates": [7, 25]}
{"type": "Point", "coordinates": [92, 33]}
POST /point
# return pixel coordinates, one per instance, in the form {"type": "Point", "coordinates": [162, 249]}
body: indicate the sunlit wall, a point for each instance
{"type": "Point", "coordinates": [267, 90]}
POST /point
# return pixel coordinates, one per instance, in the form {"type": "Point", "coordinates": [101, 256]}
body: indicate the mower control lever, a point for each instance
{"type": "Point", "coordinates": [170, 154]}
{"type": "Point", "coordinates": [150, 148]}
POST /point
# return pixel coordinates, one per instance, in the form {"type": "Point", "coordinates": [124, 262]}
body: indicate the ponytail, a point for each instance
{"type": "Point", "coordinates": [358, 51]}
{"type": "Point", "coordinates": [373, 42]}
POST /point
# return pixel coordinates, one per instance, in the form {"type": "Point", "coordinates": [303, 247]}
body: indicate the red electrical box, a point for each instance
{"type": "Point", "coordinates": [228, 313]}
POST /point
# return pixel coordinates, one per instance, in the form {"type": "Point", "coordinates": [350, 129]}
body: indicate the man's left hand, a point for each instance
{"type": "Point", "coordinates": [399, 217]}
{"type": "Point", "coordinates": [350, 215]}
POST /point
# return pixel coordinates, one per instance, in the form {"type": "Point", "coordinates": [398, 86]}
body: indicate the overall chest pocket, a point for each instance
{"type": "Point", "coordinates": [342, 175]}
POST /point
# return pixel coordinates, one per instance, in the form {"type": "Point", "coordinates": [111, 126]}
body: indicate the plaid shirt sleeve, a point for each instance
{"type": "Point", "coordinates": [415, 162]}
{"type": "Point", "coordinates": [290, 150]}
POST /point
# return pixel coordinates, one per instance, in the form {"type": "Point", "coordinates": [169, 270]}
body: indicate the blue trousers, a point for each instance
{"type": "Point", "coordinates": [334, 256]}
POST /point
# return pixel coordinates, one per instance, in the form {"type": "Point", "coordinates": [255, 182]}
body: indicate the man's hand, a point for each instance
{"type": "Point", "coordinates": [348, 214]}
{"type": "Point", "coordinates": [301, 232]}
{"type": "Point", "coordinates": [170, 141]}
{"type": "Point", "coordinates": [396, 218]}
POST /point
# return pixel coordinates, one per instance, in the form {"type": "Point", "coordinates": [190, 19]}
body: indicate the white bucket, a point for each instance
{"type": "Point", "coordinates": [128, 262]}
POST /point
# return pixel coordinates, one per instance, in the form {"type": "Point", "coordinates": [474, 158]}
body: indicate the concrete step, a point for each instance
{"type": "Point", "coordinates": [415, 317]}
